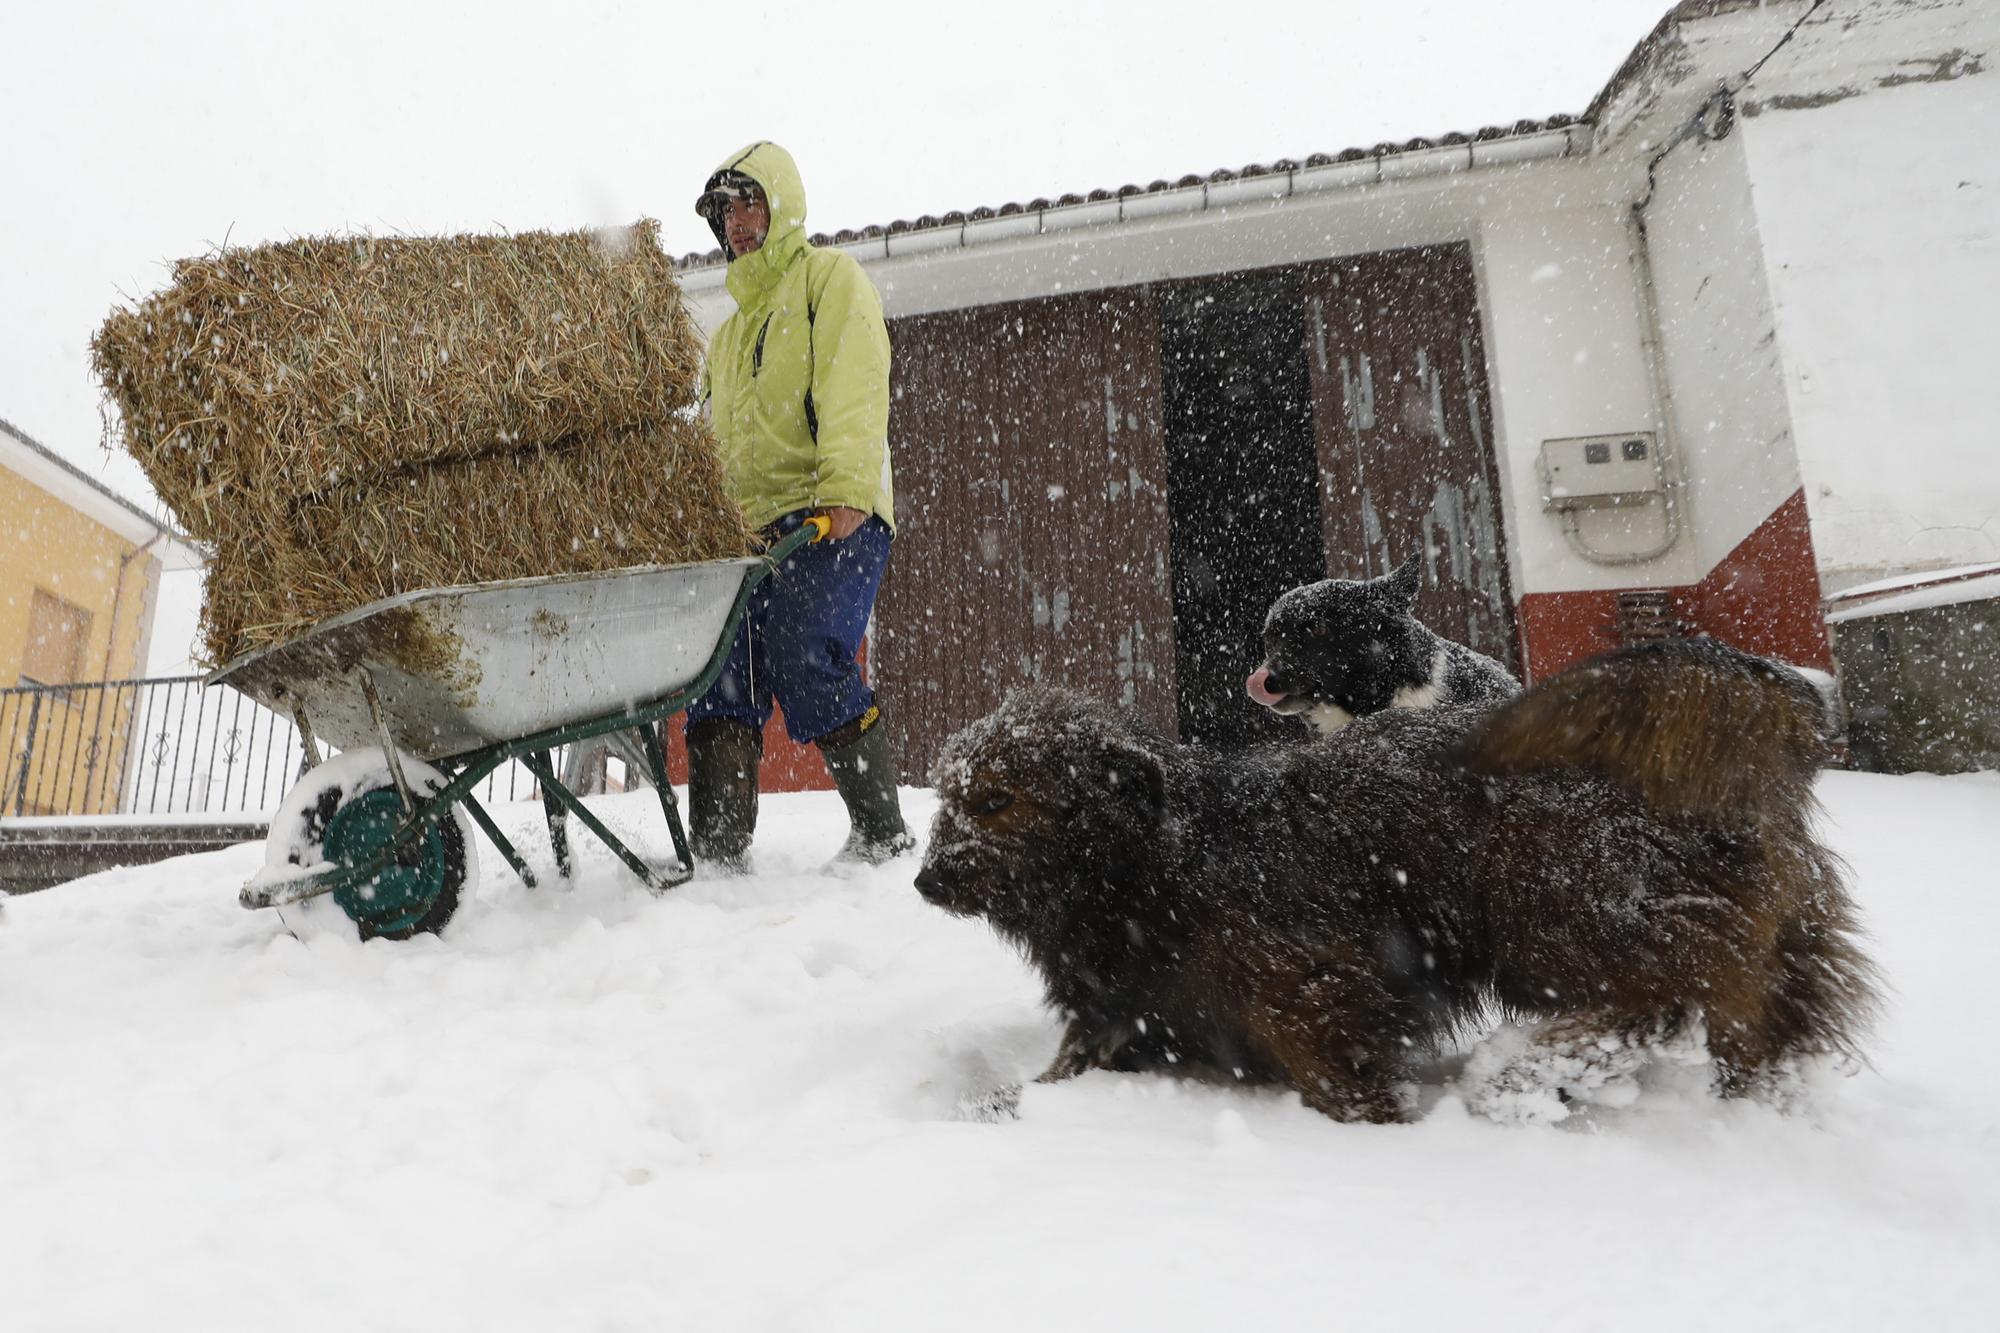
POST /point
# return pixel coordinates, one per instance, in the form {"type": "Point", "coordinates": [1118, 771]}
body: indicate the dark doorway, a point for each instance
{"type": "Point", "coordinates": [1242, 487]}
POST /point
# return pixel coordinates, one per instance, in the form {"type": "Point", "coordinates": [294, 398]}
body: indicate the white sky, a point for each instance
{"type": "Point", "coordinates": [135, 134]}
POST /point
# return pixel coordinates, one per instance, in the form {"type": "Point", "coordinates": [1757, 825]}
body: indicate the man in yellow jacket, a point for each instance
{"type": "Point", "coordinates": [797, 389]}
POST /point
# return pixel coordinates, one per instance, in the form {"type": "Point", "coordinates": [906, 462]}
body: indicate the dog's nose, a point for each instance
{"type": "Point", "coordinates": [929, 882]}
{"type": "Point", "coordinates": [1264, 687]}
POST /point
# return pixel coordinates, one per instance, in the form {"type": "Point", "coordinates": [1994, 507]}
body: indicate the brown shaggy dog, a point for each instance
{"type": "Point", "coordinates": [1617, 853]}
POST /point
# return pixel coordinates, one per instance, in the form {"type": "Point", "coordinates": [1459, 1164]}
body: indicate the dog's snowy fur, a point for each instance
{"type": "Point", "coordinates": [1621, 855]}
{"type": "Point", "coordinates": [1345, 648]}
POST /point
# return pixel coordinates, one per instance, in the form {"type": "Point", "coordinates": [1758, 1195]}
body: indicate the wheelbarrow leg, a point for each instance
{"type": "Point", "coordinates": [390, 753]}
{"type": "Point", "coordinates": [552, 807]}
{"type": "Point", "coordinates": [656, 760]}
{"type": "Point", "coordinates": [538, 764]}
{"type": "Point", "coordinates": [497, 838]}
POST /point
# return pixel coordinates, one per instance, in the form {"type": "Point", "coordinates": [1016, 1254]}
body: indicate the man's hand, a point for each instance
{"type": "Point", "coordinates": [844, 521]}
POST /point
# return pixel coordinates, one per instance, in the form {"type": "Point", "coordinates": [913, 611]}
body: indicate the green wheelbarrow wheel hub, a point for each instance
{"type": "Point", "coordinates": [402, 892]}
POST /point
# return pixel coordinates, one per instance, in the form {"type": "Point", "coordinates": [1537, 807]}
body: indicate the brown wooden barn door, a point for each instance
{"type": "Point", "coordinates": [1401, 410]}
{"type": "Point", "coordinates": [1031, 504]}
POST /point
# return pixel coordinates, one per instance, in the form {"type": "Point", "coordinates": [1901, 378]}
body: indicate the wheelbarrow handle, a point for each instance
{"type": "Point", "coordinates": [814, 528]}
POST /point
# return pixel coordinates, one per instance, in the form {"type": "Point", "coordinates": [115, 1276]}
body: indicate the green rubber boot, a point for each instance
{"type": "Point", "coordinates": [863, 765]}
{"type": "Point", "coordinates": [723, 757]}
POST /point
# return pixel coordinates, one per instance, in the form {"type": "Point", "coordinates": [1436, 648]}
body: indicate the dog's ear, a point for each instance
{"type": "Point", "coordinates": [1407, 579]}
{"type": "Point", "coordinates": [1138, 780]}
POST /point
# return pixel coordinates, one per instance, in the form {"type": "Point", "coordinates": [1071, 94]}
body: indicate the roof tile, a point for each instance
{"type": "Point", "coordinates": [703, 259]}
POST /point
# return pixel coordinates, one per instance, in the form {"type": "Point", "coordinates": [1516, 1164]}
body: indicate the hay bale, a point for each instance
{"type": "Point", "coordinates": [645, 498]}
{"type": "Point", "coordinates": [224, 633]}
{"type": "Point", "coordinates": [348, 418]}
{"type": "Point", "coordinates": [286, 370]}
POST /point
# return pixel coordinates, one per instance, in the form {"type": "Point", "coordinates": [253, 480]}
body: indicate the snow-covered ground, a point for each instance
{"type": "Point", "coordinates": [733, 1108]}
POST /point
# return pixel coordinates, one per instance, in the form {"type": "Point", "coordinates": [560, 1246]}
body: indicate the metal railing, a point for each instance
{"type": "Point", "coordinates": [158, 747]}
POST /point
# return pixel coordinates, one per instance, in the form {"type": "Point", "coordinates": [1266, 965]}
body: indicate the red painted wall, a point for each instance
{"type": "Point", "coordinates": [1763, 597]}
{"type": "Point", "coordinates": [787, 765]}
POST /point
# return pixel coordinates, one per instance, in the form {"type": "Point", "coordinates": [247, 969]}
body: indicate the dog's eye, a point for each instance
{"type": "Point", "coordinates": [987, 803]}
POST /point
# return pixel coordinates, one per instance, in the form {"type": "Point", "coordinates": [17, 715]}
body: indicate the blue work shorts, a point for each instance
{"type": "Point", "coordinates": [799, 636]}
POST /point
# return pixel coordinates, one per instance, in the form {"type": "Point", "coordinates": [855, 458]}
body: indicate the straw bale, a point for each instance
{"type": "Point", "coordinates": [285, 370]}
{"type": "Point", "coordinates": [654, 497]}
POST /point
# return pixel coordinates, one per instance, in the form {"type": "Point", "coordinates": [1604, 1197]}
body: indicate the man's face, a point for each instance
{"type": "Point", "coordinates": [745, 223]}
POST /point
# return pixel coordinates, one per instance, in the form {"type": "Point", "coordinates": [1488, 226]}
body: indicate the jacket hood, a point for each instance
{"type": "Point", "coordinates": [778, 176]}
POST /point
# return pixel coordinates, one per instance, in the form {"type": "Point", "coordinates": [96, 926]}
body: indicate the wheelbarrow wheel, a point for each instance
{"type": "Point", "coordinates": [344, 812]}
{"type": "Point", "coordinates": [417, 892]}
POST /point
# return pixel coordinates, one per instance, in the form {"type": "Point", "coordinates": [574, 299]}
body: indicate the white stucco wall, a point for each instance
{"type": "Point", "coordinates": [1563, 341]}
{"type": "Point", "coordinates": [1880, 216]}
{"type": "Point", "coordinates": [1719, 334]}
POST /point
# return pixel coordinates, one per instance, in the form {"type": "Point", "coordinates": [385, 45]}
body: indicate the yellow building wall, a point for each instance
{"type": "Point", "coordinates": [44, 543]}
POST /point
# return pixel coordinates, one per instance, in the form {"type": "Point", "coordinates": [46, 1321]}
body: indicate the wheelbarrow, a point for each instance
{"type": "Point", "coordinates": [428, 692]}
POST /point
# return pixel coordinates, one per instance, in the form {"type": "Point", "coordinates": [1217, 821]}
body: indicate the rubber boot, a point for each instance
{"type": "Point", "coordinates": [722, 793]}
{"type": "Point", "coordinates": [863, 765]}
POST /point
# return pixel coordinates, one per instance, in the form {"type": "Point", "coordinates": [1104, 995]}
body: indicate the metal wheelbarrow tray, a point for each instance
{"type": "Point", "coordinates": [468, 678]}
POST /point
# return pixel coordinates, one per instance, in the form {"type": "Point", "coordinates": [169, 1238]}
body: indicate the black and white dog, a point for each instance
{"type": "Point", "coordinates": [1345, 648]}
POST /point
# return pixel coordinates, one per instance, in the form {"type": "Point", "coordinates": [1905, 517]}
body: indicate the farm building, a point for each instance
{"type": "Point", "coordinates": [1683, 362]}
{"type": "Point", "coordinates": [79, 570]}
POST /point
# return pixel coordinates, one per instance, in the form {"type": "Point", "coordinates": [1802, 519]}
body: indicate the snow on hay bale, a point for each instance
{"type": "Point", "coordinates": [345, 418]}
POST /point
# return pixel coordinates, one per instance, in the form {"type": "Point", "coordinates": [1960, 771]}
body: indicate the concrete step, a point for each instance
{"type": "Point", "coordinates": [41, 853]}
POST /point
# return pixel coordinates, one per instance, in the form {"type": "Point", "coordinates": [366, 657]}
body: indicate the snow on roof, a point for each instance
{"type": "Point", "coordinates": [1656, 48]}
{"type": "Point", "coordinates": [1900, 582]}
{"type": "Point", "coordinates": [1915, 592]}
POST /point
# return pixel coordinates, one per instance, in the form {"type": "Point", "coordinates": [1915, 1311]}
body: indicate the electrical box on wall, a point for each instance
{"type": "Point", "coordinates": [1589, 471]}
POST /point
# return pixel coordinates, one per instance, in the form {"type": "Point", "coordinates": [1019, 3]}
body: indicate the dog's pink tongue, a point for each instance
{"type": "Point", "coordinates": [1259, 689]}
